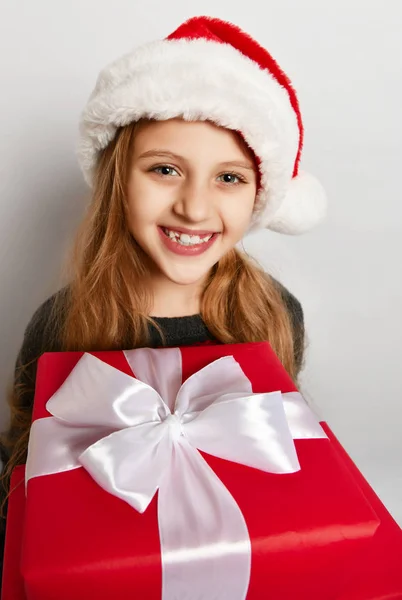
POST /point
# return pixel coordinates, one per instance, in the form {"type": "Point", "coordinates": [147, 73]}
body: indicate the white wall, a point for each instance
{"type": "Point", "coordinates": [345, 60]}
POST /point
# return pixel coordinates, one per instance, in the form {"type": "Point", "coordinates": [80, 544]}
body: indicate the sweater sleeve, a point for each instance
{"type": "Point", "coordinates": [296, 314]}
{"type": "Point", "coordinates": [32, 347]}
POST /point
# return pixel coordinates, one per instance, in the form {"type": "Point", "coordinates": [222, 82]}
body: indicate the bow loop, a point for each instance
{"type": "Point", "coordinates": [251, 430]}
{"type": "Point", "coordinates": [97, 394]}
{"type": "Point", "coordinates": [208, 385]}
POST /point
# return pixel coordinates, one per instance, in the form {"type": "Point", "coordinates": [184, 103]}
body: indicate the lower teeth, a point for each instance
{"type": "Point", "coordinates": [189, 243]}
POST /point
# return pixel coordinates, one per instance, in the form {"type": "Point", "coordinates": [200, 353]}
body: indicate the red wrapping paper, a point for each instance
{"type": "Point", "coordinates": [312, 532]}
{"type": "Point", "coordinates": [12, 582]}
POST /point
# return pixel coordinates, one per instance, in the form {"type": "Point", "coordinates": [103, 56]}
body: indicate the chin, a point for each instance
{"type": "Point", "coordinates": [184, 274]}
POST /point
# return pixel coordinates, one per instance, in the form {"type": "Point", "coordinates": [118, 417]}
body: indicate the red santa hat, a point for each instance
{"type": "Point", "coordinates": [209, 69]}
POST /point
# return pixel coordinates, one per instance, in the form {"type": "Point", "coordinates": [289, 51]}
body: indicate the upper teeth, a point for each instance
{"type": "Point", "coordinates": [184, 238]}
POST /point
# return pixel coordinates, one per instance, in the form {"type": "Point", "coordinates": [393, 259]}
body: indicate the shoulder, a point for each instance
{"type": "Point", "coordinates": [292, 303]}
{"type": "Point", "coordinates": [295, 311]}
{"type": "Point", "coordinates": [36, 339]}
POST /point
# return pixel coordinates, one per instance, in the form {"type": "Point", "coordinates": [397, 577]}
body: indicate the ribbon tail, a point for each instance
{"type": "Point", "coordinates": [205, 545]}
{"type": "Point", "coordinates": [303, 423]}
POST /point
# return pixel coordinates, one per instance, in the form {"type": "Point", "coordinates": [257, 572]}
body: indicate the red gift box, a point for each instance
{"type": "Point", "coordinates": [311, 530]}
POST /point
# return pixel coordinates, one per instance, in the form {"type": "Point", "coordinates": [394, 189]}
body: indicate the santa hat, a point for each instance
{"type": "Point", "coordinates": [209, 69]}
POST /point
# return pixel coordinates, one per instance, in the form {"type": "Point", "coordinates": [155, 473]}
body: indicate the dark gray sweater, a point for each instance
{"type": "Point", "coordinates": [179, 331]}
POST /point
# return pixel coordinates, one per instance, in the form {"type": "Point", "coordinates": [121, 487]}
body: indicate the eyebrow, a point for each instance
{"type": "Point", "coordinates": [167, 153]}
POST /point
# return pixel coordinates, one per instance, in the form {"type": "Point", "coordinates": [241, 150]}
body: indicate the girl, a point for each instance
{"type": "Point", "coordinates": [188, 144]}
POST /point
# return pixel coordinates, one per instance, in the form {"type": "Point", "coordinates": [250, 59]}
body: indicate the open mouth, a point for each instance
{"type": "Point", "coordinates": [184, 239]}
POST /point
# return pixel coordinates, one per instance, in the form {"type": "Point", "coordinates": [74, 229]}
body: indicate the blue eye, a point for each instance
{"type": "Point", "coordinates": [163, 168]}
{"type": "Point", "coordinates": [233, 176]}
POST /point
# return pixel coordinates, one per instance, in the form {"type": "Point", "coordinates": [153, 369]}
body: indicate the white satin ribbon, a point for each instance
{"type": "Point", "coordinates": [137, 436]}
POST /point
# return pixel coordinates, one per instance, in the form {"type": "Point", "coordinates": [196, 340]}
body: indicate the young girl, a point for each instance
{"type": "Point", "coordinates": [188, 144]}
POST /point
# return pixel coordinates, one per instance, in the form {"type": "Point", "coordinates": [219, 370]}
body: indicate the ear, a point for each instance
{"type": "Point", "coordinates": [304, 206]}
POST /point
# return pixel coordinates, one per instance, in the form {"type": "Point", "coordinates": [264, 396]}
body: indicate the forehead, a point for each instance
{"type": "Point", "coordinates": [192, 139]}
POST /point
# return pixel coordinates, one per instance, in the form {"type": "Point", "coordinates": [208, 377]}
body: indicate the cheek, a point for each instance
{"type": "Point", "coordinates": [238, 214]}
{"type": "Point", "coordinates": [145, 201]}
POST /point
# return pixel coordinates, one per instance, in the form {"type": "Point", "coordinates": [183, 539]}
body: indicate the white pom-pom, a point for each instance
{"type": "Point", "coordinates": [303, 207]}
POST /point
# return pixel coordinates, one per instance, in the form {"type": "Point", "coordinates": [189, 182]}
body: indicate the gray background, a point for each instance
{"type": "Point", "coordinates": [345, 61]}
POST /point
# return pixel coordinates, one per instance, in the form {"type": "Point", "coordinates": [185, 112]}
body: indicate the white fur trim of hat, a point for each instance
{"type": "Point", "coordinates": [209, 69]}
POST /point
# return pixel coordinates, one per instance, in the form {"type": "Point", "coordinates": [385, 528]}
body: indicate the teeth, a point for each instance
{"type": "Point", "coordinates": [189, 239]}
{"type": "Point", "coordinates": [185, 239]}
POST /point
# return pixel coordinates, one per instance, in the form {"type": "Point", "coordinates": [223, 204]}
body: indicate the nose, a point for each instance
{"type": "Point", "coordinates": [194, 204]}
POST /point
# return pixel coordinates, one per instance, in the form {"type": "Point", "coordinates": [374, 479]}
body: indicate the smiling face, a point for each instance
{"type": "Point", "coordinates": [191, 192]}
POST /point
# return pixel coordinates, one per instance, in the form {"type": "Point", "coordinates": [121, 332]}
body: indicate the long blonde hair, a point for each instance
{"type": "Point", "coordinates": [107, 304]}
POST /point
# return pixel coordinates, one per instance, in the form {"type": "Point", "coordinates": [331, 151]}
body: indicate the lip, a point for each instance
{"type": "Point", "coordinates": [199, 232]}
{"type": "Point", "coordinates": [177, 248]}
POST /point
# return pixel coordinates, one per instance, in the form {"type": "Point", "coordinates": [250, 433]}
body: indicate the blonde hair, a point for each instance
{"type": "Point", "coordinates": [107, 304]}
